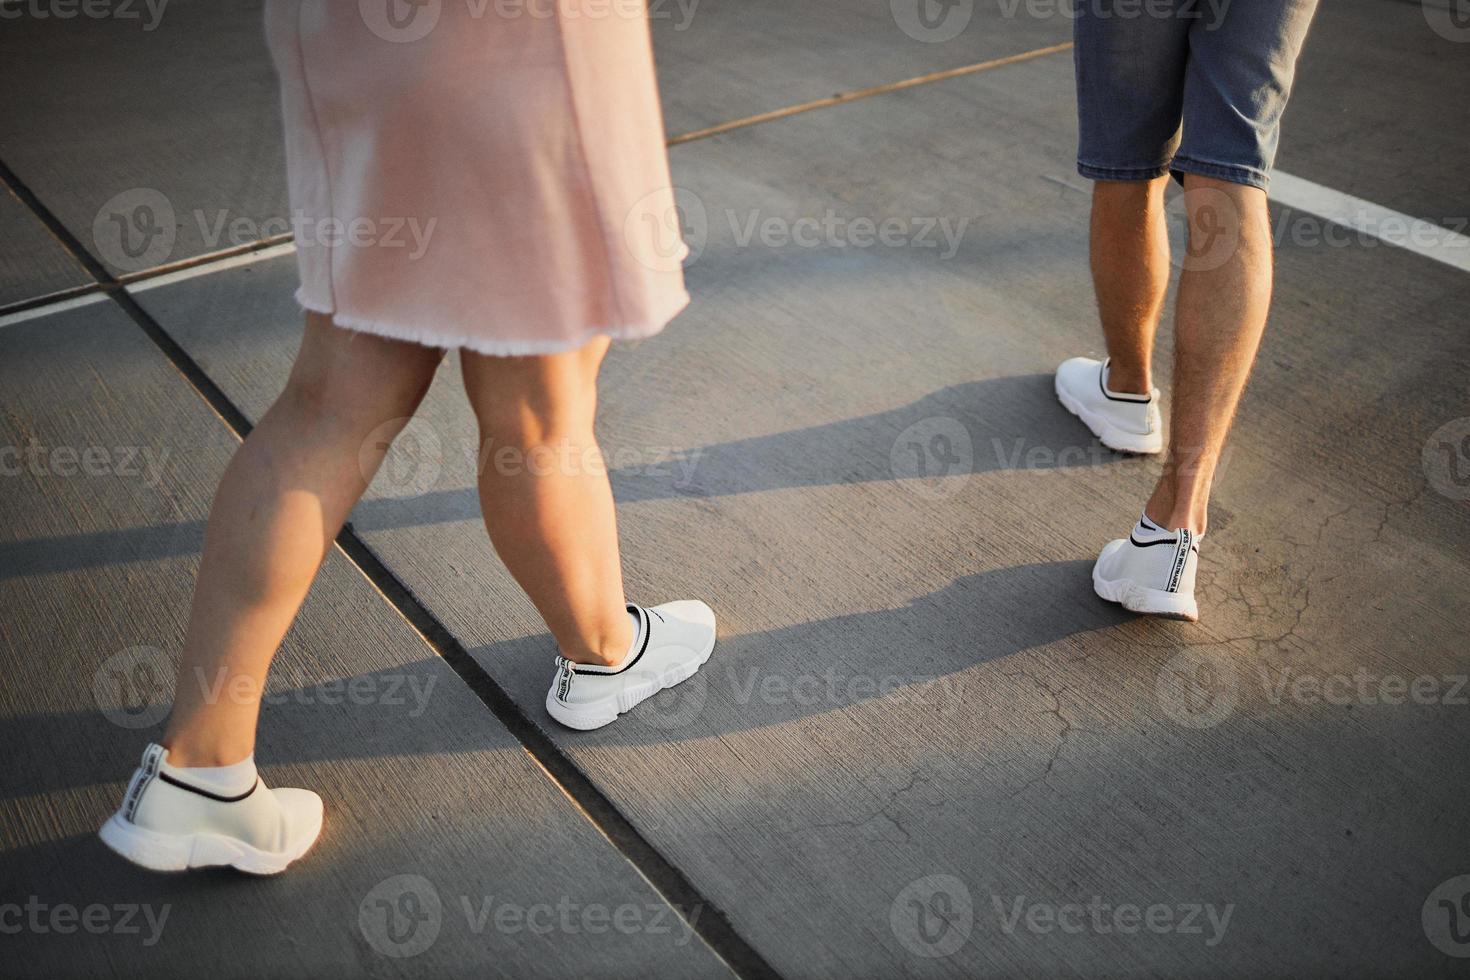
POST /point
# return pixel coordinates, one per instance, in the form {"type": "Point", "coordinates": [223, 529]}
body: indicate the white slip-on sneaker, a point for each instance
{"type": "Point", "coordinates": [1150, 571]}
{"type": "Point", "coordinates": [1127, 423]}
{"type": "Point", "coordinates": [672, 642]}
{"type": "Point", "coordinates": [167, 824]}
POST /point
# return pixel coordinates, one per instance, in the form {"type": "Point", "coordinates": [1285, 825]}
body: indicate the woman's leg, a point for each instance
{"type": "Point", "coordinates": [545, 494]}
{"type": "Point", "coordinates": [282, 501]}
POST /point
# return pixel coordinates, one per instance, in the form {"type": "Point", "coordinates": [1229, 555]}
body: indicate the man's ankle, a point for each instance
{"type": "Point", "coordinates": [1172, 519]}
{"type": "Point", "coordinates": [1125, 381]}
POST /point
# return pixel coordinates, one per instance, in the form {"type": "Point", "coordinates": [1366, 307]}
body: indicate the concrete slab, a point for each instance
{"type": "Point", "coordinates": [923, 738]}
{"type": "Point", "coordinates": [181, 144]}
{"type": "Point", "coordinates": [1388, 141]}
{"type": "Point", "coordinates": [446, 851]}
{"type": "Point", "coordinates": [32, 263]}
{"type": "Point", "coordinates": [723, 59]}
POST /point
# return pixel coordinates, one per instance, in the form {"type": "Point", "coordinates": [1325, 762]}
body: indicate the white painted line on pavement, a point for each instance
{"type": "Point", "coordinates": [60, 306]}
{"type": "Point", "coordinates": [219, 265]}
{"type": "Point", "coordinates": [1384, 224]}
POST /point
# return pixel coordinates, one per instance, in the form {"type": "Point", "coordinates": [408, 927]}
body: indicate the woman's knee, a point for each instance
{"type": "Point", "coordinates": [355, 381]}
{"type": "Point", "coordinates": [531, 401]}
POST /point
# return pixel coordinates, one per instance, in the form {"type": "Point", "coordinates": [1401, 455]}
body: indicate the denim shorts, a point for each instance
{"type": "Point", "coordinates": [1184, 86]}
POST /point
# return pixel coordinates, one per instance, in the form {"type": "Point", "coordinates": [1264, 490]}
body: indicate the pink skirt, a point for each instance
{"type": "Point", "coordinates": [485, 174]}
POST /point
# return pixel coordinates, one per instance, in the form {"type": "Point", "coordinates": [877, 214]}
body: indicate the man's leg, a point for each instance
{"type": "Point", "coordinates": [1220, 314]}
{"type": "Point", "coordinates": [1129, 245]}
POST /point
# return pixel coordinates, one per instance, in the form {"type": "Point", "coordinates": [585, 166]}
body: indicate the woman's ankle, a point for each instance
{"type": "Point", "coordinates": [193, 751]}
{"type": "Point", "coordinates": [609, 648]}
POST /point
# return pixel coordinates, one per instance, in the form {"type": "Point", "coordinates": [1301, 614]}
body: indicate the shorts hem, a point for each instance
{"type": "Point", "coordinates": [493, 347]}
{"type": "Point", "coordinates": [1122, 173]}
{"type": "Point", "coordinates": [1232, 172]}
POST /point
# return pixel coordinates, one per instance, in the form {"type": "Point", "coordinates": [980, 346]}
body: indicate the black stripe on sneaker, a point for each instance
{"type": "Point", "coordinates": [1149, 544]}
{"type": "Point", "coordinates": [1143, 519]}
{"type": "Point", "coordinates": [1136, 399]}
{"type": "Point", "coordinates": [645, 627]}
{"type": "Point", "coordinates": [206, 793]}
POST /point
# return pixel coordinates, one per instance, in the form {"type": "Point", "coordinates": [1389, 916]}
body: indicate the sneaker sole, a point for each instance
{"type": "Point", "coordinates": [1150, 602]}
{"type": "Point", "coordinates": [180, 852]}
{"type": "Point", "coordinates": [1108, 434]}
{"type": "Point", "coordinates": [596, 714]}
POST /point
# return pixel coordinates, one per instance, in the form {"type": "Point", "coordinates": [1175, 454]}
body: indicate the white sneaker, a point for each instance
{"type": "Point", "coordinates": [166, 824]}
{"type": "Point", "coordinates": [673, 641]}
{"type": "Point", "coordinates": [1150, 571]}
{"type": "Point", "coordinates": [1127, 423]}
